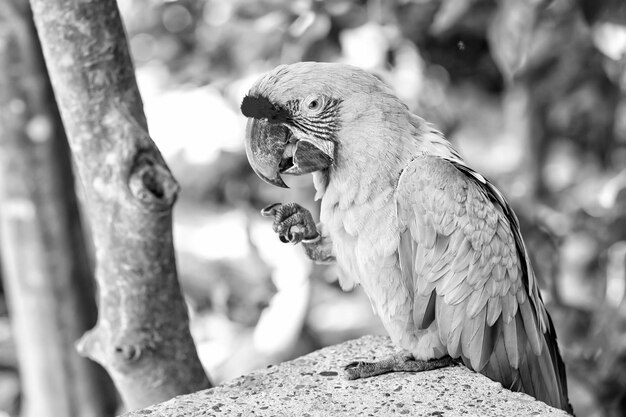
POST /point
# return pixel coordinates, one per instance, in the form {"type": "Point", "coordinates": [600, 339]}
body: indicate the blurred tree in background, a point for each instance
{"type": "Point", "coordinates": [531, 91]}
{"type": "Point", "coordinates": [47, 271]}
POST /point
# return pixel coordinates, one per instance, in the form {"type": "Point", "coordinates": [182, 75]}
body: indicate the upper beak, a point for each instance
{"type": "Point", "coordinates": [271, 151]}
{"type": "Point", "coordinates": [265, 144]}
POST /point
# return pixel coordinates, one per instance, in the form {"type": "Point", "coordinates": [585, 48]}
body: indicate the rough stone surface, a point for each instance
{"type": "Point", "coordinates": [313, 386]}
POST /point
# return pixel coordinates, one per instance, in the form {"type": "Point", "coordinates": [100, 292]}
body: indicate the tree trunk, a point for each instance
{"type": "Point", "coordinates": [142, 337]}
{"type": "Point", "coordinates": [48, 277]}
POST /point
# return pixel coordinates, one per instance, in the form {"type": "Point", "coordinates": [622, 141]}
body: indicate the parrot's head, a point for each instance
{"type": "Point", "coordinates": [302, 116]}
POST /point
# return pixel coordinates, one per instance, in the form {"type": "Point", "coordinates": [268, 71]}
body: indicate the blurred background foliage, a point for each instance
{"type": "Point", "coordinates": [531, 91]}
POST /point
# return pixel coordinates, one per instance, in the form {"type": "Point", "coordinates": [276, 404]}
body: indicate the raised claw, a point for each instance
{"type": "Point", "coordinates": [292, 222]}
{"type": "Point", "coordinates": [270, 211]}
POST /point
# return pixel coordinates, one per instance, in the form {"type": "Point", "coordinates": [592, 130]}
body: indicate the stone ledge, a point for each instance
{"type": "Point", "coordinates": [313, 386]}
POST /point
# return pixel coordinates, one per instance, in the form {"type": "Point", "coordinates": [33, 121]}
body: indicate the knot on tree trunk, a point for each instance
{"type": "Point", "coordinates": [152, 183]}
{"type": "Point", "coordinates": [132, 345]}
{"type": "Point", "coordinates": [122, 350]}
{"type": "Point", "coordinates": [128, 353]}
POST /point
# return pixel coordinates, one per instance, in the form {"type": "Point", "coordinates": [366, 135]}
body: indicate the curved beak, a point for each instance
{"type": "Point", "coordinates": [265, 144]}
{"type": "Point", "coordinates": [273, 150]}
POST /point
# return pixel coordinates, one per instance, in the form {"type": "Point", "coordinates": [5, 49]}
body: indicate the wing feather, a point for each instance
{"type": "Point", "coordinates": [530, 326]}
{"type": "Point", "coordinates": [472, 339]}
{"type": "Point", "coordinates": [490, 336]}
{"type": "Point", "coordinates": [513, 340]}
{"type": "Point", "coordinates": [463, 255]}
{"type": "Point", "coordinates": [441, 245]}
{"type": "Point", "coordinates": [509, 307]}
{"type": "Point", "coordinates": [451, 327]}
{"type": "Point", "coordinates": [477, 301]}
{"type": "Point", "coordinates": [494, 309]}
{"type": "Point", "coordinates": [458, 294]}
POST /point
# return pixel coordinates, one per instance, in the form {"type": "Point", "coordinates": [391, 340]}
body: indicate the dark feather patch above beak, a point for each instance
{"type": "Point", "coordinates": [261, 108]}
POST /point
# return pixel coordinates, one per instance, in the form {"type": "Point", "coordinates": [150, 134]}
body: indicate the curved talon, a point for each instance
{"type": "Point", "coordinates": [352, 370]}
{"type": "Point", "coordinates": [313, 239]}
{"type": "Point", "coordinates": [270, 211]}
{"type": "Point", "coordinates": [352, 365]}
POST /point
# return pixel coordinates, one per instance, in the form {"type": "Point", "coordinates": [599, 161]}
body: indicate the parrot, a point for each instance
{"type": "Point", "coordinates": [435, 246]}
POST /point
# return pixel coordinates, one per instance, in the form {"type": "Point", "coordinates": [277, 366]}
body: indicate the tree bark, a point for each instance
{"type": "Point", "coordinates": [48, 277]}
{"type": "Point", "coordinates": [142, 337]}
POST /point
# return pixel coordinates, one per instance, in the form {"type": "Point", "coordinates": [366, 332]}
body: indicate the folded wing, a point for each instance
{"type": "Point", "coordinates": [462, 253]}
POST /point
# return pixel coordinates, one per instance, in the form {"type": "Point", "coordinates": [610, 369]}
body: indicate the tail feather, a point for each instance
{"type": "Point", "coordinates": [542, 376]}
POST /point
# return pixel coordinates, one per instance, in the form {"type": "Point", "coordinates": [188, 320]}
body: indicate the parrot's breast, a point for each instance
{"type": "Point", "coordinates": [365, 236]}
{"type": "Point", "coordinates": [366, 240]}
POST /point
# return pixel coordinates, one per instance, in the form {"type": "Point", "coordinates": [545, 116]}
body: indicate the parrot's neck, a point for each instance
{"type": "Point", "coordinates": [364, 168]}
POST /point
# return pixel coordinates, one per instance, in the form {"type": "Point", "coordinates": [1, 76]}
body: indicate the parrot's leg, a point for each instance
{"type": "Point", "coordinates": [320, 250]}
{"type": "Point", "coordinates": [403, 362]}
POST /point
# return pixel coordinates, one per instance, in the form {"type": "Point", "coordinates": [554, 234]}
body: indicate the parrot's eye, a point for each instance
{"type": "Point", "coordinates": [313, 105]}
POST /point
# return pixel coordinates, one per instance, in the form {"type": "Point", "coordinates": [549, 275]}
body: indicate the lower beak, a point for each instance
{"type": "Point", "coordinates": [271, 151]}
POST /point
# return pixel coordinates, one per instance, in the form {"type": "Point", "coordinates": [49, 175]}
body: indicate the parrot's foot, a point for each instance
{"type": "Point", "coordinates": [397, 363]}
{"type": "Point", "coordinates": [292, 222]}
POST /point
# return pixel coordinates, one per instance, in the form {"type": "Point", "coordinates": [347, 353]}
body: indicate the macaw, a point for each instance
{"type": "Point", "coordinates": [435, 246]}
